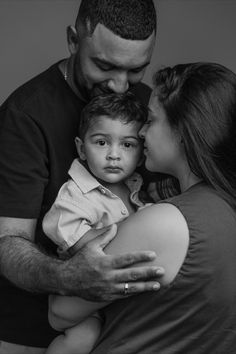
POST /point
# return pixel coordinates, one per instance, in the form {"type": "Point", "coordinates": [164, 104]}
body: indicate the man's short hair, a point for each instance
{"type": "Point", "coordinates": [129, 19]}
{"type": "Point", "coordinates": [122, 106]}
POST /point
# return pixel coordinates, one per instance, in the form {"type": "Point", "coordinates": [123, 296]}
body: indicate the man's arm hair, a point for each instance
{"type": "Point", "coordinates": [22, 262]}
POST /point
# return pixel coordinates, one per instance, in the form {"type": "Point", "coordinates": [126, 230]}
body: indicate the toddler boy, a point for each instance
{"type": "Point", "coordinates": [103, 189]}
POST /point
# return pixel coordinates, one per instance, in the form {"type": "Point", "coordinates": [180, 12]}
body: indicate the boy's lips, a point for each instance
{"type": "Point", "coordinates": [113, 168]}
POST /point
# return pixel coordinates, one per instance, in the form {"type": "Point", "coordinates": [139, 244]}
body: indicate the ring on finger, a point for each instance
{"type": "Point", "coordinates": [126, 288]}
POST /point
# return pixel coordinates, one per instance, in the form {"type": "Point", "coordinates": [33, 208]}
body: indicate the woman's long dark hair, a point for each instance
{"type": "Point", "coordinates": [200, 102]}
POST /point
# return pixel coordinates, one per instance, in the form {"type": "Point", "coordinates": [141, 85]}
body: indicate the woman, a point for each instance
{"type": "Point", "coordinates": [191, 135]}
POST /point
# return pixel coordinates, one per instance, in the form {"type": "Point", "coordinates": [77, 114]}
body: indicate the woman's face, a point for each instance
{"type": "Point", "coordinates": [162, 143]}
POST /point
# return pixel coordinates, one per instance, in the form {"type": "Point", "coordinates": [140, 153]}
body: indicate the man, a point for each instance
{"type": "Point", "coordinates": [110, 46]}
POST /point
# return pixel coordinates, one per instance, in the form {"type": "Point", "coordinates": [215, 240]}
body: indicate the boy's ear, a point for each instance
{"type": "Point", "coordinates": [80, 148]}
{"type": "Point", "coordinates": [72, 39]}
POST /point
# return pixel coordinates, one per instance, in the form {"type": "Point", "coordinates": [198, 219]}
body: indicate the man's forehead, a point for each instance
{"type": "Point", "coordinates": [107, 46]}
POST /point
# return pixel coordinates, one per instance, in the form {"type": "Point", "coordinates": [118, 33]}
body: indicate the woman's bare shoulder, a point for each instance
{"type": "Point", "coordinates": [161, 228]}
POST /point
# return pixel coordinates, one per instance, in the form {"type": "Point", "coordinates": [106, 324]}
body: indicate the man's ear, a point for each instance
{"type": "Point", "coordinates": [80, 148]}
{"type": "Point", "coordinates": [72, 39]}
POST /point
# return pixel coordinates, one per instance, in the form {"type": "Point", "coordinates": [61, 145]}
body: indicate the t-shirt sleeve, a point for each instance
{"type": "Point", "coordinates": [23, 164]}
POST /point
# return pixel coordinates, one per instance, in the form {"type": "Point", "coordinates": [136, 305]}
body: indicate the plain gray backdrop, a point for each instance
{"type": "Point", "coordinates": [33, 35]}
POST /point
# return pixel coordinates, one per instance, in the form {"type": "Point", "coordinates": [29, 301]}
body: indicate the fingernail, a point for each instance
{"type": "Point", "coordinates": [156, 286]}
{"type": "Point", "coordinates": [159, 271]}
{"type": "Point", "coordinates": [152, 254]}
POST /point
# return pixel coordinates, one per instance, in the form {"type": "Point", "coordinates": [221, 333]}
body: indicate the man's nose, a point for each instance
{"type": "Point", "coordinates": [119, 83]}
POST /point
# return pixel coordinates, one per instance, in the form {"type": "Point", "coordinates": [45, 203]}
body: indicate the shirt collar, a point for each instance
{"type": "Point", "coordinates": [82, 177]}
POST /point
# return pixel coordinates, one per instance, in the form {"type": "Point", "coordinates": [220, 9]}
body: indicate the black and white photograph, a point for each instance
{"type": "Point", "coordinates": [118, 177]}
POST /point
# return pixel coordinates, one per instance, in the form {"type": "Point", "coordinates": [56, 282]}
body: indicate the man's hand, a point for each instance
{"type": "Point", "coordinates": [93, 275]}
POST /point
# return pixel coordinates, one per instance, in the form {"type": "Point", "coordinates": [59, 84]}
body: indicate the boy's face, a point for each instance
{"type": "Point", "coordinates": [111, 148]}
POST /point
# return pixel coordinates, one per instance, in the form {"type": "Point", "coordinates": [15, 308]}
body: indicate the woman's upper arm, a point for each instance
{"type": "Point", "coordinates": [161, 228]}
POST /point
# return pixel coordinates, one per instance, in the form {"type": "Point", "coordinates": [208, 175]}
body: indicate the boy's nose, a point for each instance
{"type": "Point", "coordinates": [113, 157]}
{"type": "Point", "coordinates": [113, 154]}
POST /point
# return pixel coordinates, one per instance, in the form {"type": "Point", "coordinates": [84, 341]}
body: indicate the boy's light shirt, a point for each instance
{"type": "Point", "coordinates": [83, 203]}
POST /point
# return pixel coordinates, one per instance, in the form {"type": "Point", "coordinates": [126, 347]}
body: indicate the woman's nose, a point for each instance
{"type": "Point", "coordinates": [142, 132]}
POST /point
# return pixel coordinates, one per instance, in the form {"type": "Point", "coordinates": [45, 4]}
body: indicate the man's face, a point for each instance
{"type": "Point", "coordinates": [105, 62]}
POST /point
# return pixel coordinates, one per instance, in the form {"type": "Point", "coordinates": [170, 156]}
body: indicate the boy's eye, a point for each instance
{"type": "Point", "coordinates": [129, 145]}
{"type": "Point", "coordinates": [100, 142]}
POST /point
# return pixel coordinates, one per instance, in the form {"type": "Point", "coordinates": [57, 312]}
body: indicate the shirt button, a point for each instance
{"type": "Point", "coordinates": [123, 212]}
{"type": "Point", "coordinates": [103, 191]}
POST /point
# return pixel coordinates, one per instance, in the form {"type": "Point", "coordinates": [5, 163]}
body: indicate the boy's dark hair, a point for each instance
{"type": "Point", "coordinates": [123, 106]}
{"type": "Point", "coordinates": [200, 102]}
{"type": "Point", "coordinates": [129, 19]}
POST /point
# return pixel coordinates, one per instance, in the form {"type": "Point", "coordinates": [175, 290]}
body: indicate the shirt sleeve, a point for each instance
{"type": "Point", "coordinates": [23, 164]}
{"type": "Point", "coordinates": [67, 221]}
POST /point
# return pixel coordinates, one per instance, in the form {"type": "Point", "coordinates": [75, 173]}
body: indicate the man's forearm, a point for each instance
{"type": "Point", "coordinates": [89, 273]}
{"type": "Point", "coordinates": [23, 264]}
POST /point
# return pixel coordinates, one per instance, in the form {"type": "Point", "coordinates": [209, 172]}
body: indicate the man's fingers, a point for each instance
{"type": "Point", "coordinates": [130, 288]}
{"type": "Point", "coordinates": [138, 273]}
{"type": "Point", "coordinates": [128, 259]}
